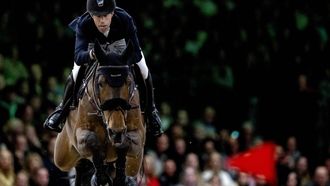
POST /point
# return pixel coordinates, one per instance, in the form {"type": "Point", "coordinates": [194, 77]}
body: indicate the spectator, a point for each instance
{"type": "Point", "coordinates": [292, 152]}
{"type": "Point", "coordinates": [22, 178]}
{"type": "Point", "coordinates": [56, 176]}
{"type": "Point", "coordinates": [169, 177]}
{"type": "Point", "coordinates": [245, 179]}
{"type": "Point", "coordinates": [191, 177]}
{"type": "Point", "coordinates": [21, 148]}
{"type": "Point", "coordinates": [40, 177]}
{"type": "Point", "coordinates": [179, 152]}
{"type": "Point", "coordinates": [12, 128]}
{"type": "Point", "coordinates": [302, 171]}
{"type": "Point", "coordinates": [327, 164]}
{"type": "Point", "coordinates": [13, 68]}
{"type": "Point", "coordinates": [160, 153]}
{"type": "Point", "coordinates": [192, 160]}
{"type": "Point", "coordinates": [321, 177]}
{"type": "Point", "coordinates": [150, 178]}
{"type": "Point", "coordinates": [214, 167]}
{"type": "Point", "coordinates": [292, 179]}
{"type": "Point", "coordinates": [9, 103]}
{"type": "Point", "coordinates": [166, 115]}
{"type": "Point", "coordinates": [33, 162]}
{"type": "Point", "coordinates": [281, 165]}
{"type": "Point", "coordinates": [7, 174]}
{"type": "Point", "coordinates": [207, 122]}
{"type": "Point", "coordinates": [207, 149]}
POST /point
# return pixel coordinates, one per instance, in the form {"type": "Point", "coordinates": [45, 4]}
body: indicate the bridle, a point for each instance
{"type": "Point", "coordinates": [111, 105]}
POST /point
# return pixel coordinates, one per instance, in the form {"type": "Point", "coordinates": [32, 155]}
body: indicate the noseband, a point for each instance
{"type": "Point", "coordinates": [114, 103]}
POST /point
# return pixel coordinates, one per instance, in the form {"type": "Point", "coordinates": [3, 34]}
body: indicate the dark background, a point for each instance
{"type": "Point", "coordinates": [190, 46]}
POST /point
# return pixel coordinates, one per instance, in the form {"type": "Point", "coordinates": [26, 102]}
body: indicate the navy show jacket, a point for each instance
{"type": "Point", "coordinates": [122, 27]}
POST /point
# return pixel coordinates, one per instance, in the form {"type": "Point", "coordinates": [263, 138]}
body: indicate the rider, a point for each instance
{"type": "Point", "coordinates": [113, 26]}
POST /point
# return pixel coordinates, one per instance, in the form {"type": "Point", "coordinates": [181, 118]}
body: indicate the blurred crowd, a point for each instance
{"type": "Point", "coordinates": [228, 75]}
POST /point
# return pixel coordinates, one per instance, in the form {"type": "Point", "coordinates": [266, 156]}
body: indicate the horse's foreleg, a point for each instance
{"type": "Point", "coordinates": [134, 165]}
{"type": "Point", "coordinates": [120, 166]}
{"type": "Point", "coordinates": [134, 156]}
{"type": "Point", "coordinates": [84, 172]}
{"type": "Point", "coordinates": [89, 146]}
{"type": "Point", "coordinates": [87, 143]}
{"type": "Point", "coordinates": [100, 177]}
{"type": "Point", "coordinates": [65, 155]}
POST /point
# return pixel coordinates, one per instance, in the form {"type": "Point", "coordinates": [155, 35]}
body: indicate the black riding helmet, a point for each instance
{"type": "Point", "coordinates": [100, 7]}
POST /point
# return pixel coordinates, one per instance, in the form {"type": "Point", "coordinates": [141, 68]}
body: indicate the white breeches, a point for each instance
{"type": "Point", "coordinates": [143, 67]}
{"type": "Point", "coordinates": [75, 72]}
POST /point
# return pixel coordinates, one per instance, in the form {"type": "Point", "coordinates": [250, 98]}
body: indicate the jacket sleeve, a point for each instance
{"type": "Point", "coordinates": [81, 52]}
{"type": "Point", "coordinates": [132, 35]}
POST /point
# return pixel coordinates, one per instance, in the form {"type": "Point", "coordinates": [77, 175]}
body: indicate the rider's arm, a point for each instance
{"type": "Point", "coordinates": [140, 60]}
{"type": "Point", "coordinates": [83, 26]}
{"type": "Point", "coordinates": [82, 54]}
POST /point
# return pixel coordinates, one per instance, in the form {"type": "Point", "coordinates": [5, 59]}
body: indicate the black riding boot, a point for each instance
{"type": "Point", "coordinates": [154, 124]}
{"type": "Point", "coordinates": [54, 120]}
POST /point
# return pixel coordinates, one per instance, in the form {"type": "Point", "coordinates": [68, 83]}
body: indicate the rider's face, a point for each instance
{"type": "Point", "coordinates": [102, 22]}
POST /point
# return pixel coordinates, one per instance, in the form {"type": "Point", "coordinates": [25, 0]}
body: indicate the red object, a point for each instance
{"type": "Point", "coordinates": [258, 161]}
{"type": "Point", "coordinates": [153, 181]}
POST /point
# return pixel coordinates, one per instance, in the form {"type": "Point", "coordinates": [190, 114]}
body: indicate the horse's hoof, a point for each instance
{"type": "Point", "coordinates": [105, 181]}
{"type": "Point", "coordinates": [120, 180]}
{"type": "Point", "coordinates": [130, 181]}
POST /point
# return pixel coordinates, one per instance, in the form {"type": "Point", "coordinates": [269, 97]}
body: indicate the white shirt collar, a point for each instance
{"type": "Point", "coordinates": [106, 33]}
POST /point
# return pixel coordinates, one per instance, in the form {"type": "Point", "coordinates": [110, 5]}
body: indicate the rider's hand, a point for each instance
{"type": "Point", "coordinates": [92, 55]}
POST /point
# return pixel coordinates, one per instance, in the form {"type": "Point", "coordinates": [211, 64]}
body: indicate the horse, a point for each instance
{"type": "Point", "coordinates": [106, 132]}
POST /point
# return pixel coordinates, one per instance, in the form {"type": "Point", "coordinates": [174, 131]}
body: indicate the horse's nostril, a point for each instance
{"type": "Point", "coordinates": [110, 132]}
{"type": "Point", "coordinates": [117, 137]}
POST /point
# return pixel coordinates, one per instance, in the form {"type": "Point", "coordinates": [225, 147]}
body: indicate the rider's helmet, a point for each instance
{"type": "Point", "coordinates": [100, 7]}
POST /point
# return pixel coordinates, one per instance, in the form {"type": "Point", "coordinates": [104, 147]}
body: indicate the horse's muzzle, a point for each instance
{"type": "Point", "coordinates": [118, 137]}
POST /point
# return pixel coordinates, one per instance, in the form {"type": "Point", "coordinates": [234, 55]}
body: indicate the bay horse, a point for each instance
{"type": "Point", "coordinates": [107, 128]}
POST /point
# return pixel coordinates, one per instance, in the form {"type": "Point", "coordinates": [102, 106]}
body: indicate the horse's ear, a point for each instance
{"type": "Point", "coordinates": [99, 52]}
{"type": "Point", "coordinates": [128, 52]}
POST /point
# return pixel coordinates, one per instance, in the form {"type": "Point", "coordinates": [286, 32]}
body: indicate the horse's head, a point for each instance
{"type": "Point", "coordinates": [114, 85]}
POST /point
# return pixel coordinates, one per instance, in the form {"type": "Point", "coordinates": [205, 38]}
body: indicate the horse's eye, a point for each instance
{"type": "Point", "coordinates": [101, 83]}
{"type": "Point", "coordinates": [128, 81]}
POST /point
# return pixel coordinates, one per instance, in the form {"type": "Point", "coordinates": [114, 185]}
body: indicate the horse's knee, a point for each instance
{"type": "Point", "coordinates": [87, 144]}
{"type": "Point", "coordinates": [63, 165]}
{"type": "Point", "coordinates": [66, 162]}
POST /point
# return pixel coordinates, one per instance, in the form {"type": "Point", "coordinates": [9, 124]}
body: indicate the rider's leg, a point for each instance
{"type": "Point", "coordinates": [54, 120]}
{"type": "Point", "coordinates": [153, 120]}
